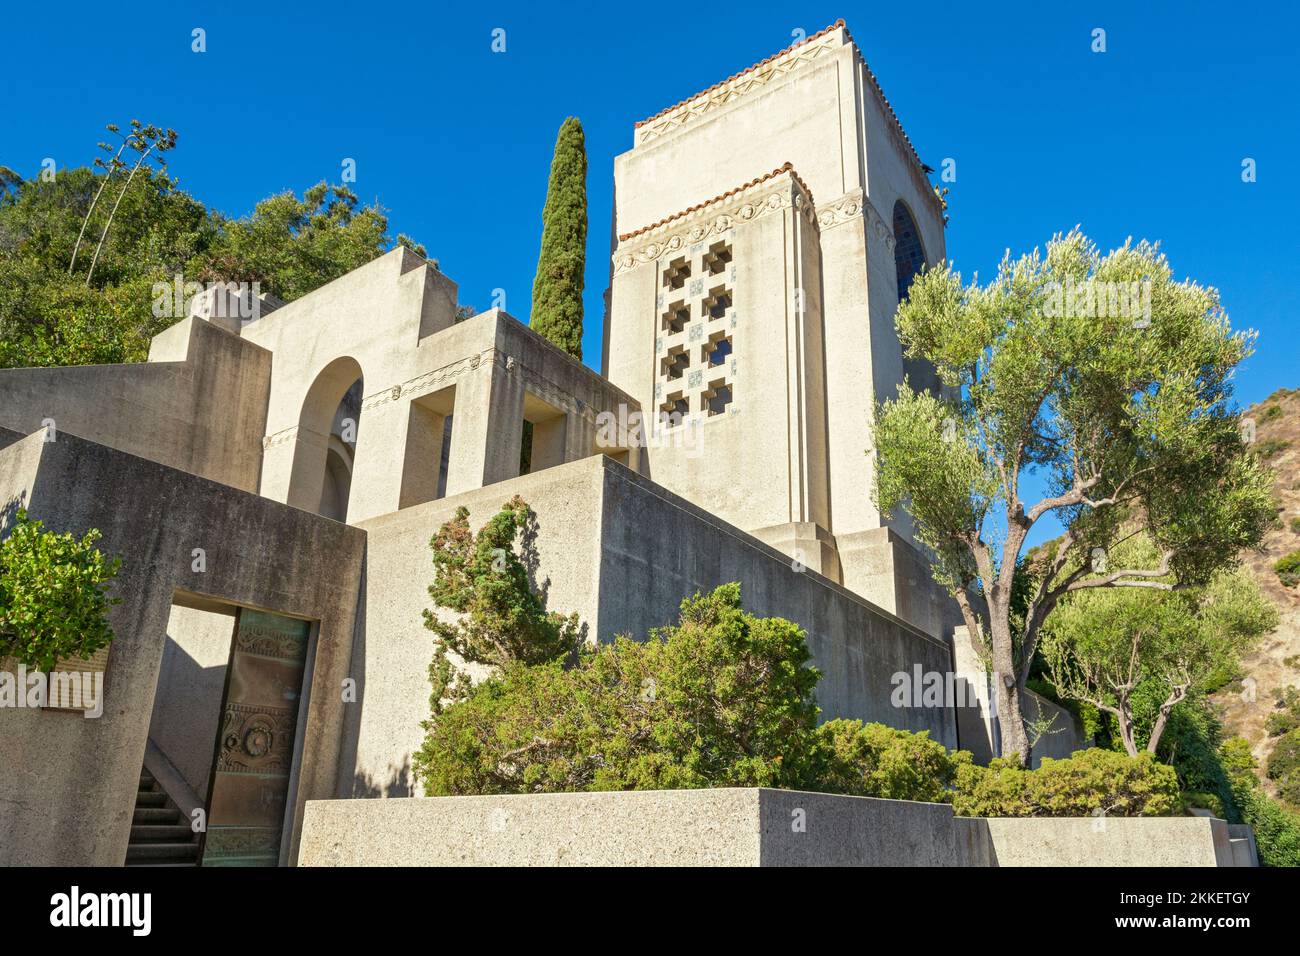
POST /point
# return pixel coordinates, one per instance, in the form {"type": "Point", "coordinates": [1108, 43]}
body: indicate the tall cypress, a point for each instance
{"type": "Point", "coordinates": [557, 289]}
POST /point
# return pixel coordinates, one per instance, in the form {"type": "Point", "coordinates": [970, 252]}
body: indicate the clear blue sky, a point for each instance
{"type": "Point", "coordinates": [1146, 139]}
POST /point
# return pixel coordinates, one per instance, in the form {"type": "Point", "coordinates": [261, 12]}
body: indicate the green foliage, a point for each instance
{"type": "Point", "coordinates": [1204, 801]}
{"type": "Point", "coordinates": [723, 698]}
{"type": "Point", "coordinates": [1295, 525]}
{"type": "Point", "coordinates": [1284, 760]}
{"type": "Point", "coordinates": [873, 760]}
{"type": "Point", "coordinates": [54, 314]}
{"type": "Point", "coordinates": [1277, 830]}
{"type": "Point", "coordinates": [1286, 716]}
{"type": "Point", "coordinates": [557, 288]}
{"type": "Point", "coordinates": [485, 583]}
{"type": "Point", "coordinates": [1124, 421]}
{"type": "Point", "coordinates": [1270, 412]}
{"type": "Point", "coordinates": [292, 246]}
{"type": "Point", "coordinates": [1091, 782]}
{"type": "Point", "coordinates": [1135, 653]}
{"type": "Point", "coordinates": [1090, 720]}
{"type": "Point", "coordinates": [1288, 569]}
{"type": "Point", "coordinates": [53, 594]}
{"type": "Point", "coordinates": [1271, 448]}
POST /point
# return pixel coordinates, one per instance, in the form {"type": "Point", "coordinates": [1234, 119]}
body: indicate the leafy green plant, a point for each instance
{"type": "Point", "coordinates": [873, 760]}
{"type": "Point", "coordinates": [1271, 448]}
{"type": "Point", "coordinates": [722, 698]}
{"type": "Point", "coordinates": [53, 594]}
{"type": "Point", "coordinates": [1284, 759]}
{"type": "Point", "coordinates": [1277, 830]}
{"type": "Point", "coordinates": [1295, 525]}
{"type": "Point", "coordinates": [1091, 782]}
{"type": "Point", "coordinates": [1286, 715]}
{"type": "Point", "coordinates": [1288, 569]}
{"type": "Point", "coordinates": [1113, 648]}
{"type": "Point", "coordinates": [498, 618]}
{"type": "Point", "coordinates": [1269, 412]}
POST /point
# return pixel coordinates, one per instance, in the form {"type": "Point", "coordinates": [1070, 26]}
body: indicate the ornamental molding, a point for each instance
{"type": "Point", "coordinates": [738, 86]}
{"type": "Point", "coordinates": [719, 218]}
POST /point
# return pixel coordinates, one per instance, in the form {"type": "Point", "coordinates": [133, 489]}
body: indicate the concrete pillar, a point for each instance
{"type": "Point", "coordinates": [488, 427]}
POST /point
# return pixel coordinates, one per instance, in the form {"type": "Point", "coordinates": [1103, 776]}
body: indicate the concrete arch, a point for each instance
{"type": "Point", "coordinates": [320, 419]}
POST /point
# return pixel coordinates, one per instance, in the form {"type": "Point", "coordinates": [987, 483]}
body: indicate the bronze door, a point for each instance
{"type": "Point", "coordinates": [255, 742]}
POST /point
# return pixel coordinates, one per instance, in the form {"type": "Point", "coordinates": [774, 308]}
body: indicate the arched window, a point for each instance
{"type": "Point", "coordinates": [909, 260]}
{"type": "Point", "coordinates": [909, 254]}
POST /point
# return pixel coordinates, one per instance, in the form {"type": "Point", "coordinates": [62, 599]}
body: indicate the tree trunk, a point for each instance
{"type": "Point", "coordinates": [1011, 720]}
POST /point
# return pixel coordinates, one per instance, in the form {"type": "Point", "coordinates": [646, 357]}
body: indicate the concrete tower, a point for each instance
{"type": "Point", "coordinates": [764, 227]}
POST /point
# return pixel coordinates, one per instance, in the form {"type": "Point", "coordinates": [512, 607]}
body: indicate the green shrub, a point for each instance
{"type": "Point", "coordinates": [1270, 448]}
{"type": "Point", "coordinates": [53, 595]}
{"type": "Point", "coordinates": [1269, 412]}
{"type": "Point", "coordinates": [1277, 830]}
{"type": "Point", "coordinates": [721, 699]}
{"type": "Point", "coordinates": [1204, 801]}
{"type": "Point", "coordinates": [1285, 756]}
{"type": "Point", "coordinates": [1091, 782]}
{"type": "Point", "coordinates": [873, 760]}
{"type": "Point", "coordinates": [1286, 717]}
{"type": "Point", "coordinates": [1295, 525]}
{"type": "Point", "coordinates": [1288, 569]}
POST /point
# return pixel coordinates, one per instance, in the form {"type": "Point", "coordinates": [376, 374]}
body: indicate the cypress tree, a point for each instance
{"type": "Point", "coordinates": [557, 289]}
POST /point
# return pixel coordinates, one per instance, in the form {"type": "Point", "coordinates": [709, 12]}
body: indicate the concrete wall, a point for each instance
{"type": "Point", "coordinates": [622, 553]}
{"type": "Point", "coordinates": [1110, 841]}
{"type": "Point", "coordinates": [191, 685]}
{"type": "Point", "coordinates": [69, 785]}
{"type": "Point", "coordinates": [722, 827]}
{"type": "Point", "coordinates": [390, 323]}
{"type": "Point", "coordinates": [734, 827]}
{"type": "Point", "coordinates": [199, 405]}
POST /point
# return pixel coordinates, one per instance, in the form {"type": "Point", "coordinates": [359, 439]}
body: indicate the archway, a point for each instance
{"type": "Point", "coordinates": [321, 480]}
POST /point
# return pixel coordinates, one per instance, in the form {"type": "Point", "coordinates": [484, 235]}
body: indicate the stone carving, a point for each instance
{"type": "Point", "coordinates": [741, 209]}
{"type": "Point", "coordinates": [724, 93]}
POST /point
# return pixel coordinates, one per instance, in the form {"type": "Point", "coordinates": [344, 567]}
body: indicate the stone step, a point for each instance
{"type": "Point", "coordinates": [147, 799]}
{"type": "Point", "coordinates": [155, 815]}
{"type": "Point", "coordinates": [159, 852]}
{"type": "Point", "coordinates": [161, 833]}
{"type": "Point", "coordinates": [146, 780]}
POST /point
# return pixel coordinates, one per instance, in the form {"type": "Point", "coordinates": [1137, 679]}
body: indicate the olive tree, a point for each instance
{"type": "Point", "coordinates": [1110, 380]}
{"type": "Point", "coordinates": [1102, 645]}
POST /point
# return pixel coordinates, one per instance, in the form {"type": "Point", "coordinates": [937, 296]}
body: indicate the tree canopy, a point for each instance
{"type": "Point", "coordinates": [138, 228]}
{"type": "Point", "coordinates": [1110, 380]}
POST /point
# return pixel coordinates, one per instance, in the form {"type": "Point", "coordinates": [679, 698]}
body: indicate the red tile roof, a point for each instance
{"type": "Point", "coordinates": [787, 168]}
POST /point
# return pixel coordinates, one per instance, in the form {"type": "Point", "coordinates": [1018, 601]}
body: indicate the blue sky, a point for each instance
{"type": "Point", "coordinates": [1146, 139]}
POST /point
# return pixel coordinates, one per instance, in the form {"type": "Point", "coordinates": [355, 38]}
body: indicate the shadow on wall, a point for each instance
{"type": "Point", "coordinates": [399, 783]}
{"type": "Point", "coordinates": [9, 512]}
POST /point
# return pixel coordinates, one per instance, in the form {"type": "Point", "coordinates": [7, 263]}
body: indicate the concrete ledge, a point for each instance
{"type": "Point", "coordinates": [722, 827]}
{"type": "Point", "coordinates": [1113, 841]}
{"type": "Point", "coordinates": [736, 827]}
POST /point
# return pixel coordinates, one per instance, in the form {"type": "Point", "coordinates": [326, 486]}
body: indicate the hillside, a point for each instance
{"type": "Point", "coordinates": [1276, 663]}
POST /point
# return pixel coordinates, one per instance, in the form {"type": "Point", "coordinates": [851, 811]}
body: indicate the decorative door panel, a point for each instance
{"type": "Point", "coordinates": [255, 743]}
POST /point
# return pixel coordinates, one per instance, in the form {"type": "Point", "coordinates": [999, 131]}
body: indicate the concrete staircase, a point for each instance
{"type": "Point", "coordinates": [160, 834]}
